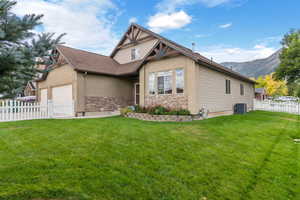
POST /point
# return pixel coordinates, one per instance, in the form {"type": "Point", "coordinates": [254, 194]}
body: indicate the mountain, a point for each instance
{"type": "Point", "coordinates": [256, 68]}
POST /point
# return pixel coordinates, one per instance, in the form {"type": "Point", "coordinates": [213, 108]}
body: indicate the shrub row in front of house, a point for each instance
{"type": "Point", "coordinates": [156, 110]}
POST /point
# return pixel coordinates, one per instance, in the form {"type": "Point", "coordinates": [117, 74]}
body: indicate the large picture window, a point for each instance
{"type": "Point", "coordinates": [164, 82]}
{"type": "Point", "coordinates": [179, 81]}
{"type": "Point", "coordinates": [152, 83]}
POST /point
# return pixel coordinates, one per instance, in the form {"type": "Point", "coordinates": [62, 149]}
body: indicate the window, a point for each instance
{"type": "Point", "coordinates": [137, 93]}
{"type": "Point", "coordinates": [228, 89]}
{"type": "Point", "coordinates": [179, 81]}
{"type": "Point", "coordinates": [151, 83]}
{"type": "Point", "coordinates": [133, 54]}
{"type": "Point", "coordinates": [242, 89]}
{"type": "Point", "coordinates": [164, 82]}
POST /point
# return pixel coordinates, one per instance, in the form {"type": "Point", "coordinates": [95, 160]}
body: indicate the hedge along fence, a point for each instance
{"type": "Point", "coordinates": [163, 118]}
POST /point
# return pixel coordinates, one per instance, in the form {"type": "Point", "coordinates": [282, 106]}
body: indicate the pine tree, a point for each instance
{"type": "Point", "coordinates": [20, 48]}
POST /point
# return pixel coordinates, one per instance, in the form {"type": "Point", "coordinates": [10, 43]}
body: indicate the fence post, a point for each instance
{"type": "Point", "coordinates": [50, 109]}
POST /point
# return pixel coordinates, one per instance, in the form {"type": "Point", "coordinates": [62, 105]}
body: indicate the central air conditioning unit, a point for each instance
{"type": "Point", "coordinates": [240, 108]}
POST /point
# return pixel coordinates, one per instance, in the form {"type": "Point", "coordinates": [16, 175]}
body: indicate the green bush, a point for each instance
{"type": "Point", "coordinates": [183, 112]}
{"type": "Point", "coordinates": [125, 111]}
{"type": "Point", "coordinates": [160, 110]}
{"type": "Point", "coordinates": [140, 109]}
{"type": "Point", "coordinates": [157, 110]}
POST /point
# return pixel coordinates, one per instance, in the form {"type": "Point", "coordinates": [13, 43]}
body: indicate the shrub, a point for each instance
{"type": "Point", "coordinates": [183, 112]}
{"type": "Point", "coordinates": [157, 110]}
{"type": "Point", "coordinates": [126, 110]}
{"type": "Point", "coordinates": [139, 109]}
{"type": "Point", "coordinates": [160, 110]}
{"type": "Point", "coordinates": [178, 112]}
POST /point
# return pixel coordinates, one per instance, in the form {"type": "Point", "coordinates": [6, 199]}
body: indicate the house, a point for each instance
{"type": "Point", "coordinates": [144, 69]}
{"type": "Point", "coordinates": [260, 94]}
{"type": "Point", "coordinates": [30, 89]}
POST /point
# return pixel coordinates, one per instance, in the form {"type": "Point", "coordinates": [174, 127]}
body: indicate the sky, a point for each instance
{"type": "Point", "coordinates": [225, 30]}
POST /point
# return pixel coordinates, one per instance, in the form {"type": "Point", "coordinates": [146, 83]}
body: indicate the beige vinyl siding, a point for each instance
{"type": "Point", "coordinates": [202, 86]}
{"type": "Point", "coordinates": [211, 91]}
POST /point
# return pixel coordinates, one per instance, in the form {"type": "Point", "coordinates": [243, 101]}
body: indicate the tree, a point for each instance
{"type": "Point", "coordinates": [294, 89]}
{"type": "Point", "coordinates": [273, 87]}
{"type": "Point", "coordinates": [289, 68]}
{"type": "Point", "coordinates": [20, 48]}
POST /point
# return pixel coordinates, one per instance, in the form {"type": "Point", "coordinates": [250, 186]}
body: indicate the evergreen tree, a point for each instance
{"type": "Point", "coordinates": [20, 48]}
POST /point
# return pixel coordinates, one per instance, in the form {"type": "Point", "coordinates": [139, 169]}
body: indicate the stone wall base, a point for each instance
{"type": "Point", "coordinates": [163, 118]}
{"type": "Point", "coordinates": [102, 104]}
{"type": "Point", "coordinates": [173, 101]}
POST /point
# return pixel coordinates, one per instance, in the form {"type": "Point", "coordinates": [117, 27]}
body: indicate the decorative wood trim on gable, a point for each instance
{"type": "Point", "coordinates": [161, 50]}
{"type": "Point", "coordinates": [132, 34]}
{"type": "Point", "coordinates": [61, 61]}
{"type": "Point", "coordinates": [137, 41]}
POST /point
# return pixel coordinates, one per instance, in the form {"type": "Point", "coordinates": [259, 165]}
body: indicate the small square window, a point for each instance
{"type": "Point", "coordinates": [133, 54]}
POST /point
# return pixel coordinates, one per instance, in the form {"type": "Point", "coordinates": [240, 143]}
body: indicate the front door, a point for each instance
{"type": "Point", "coordinates": [136, 93]}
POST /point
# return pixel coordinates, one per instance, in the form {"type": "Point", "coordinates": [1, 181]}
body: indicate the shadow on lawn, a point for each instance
{"type": "Point", "coordinates": [255, 177]}
{"type": "Point", "coordinates": [48, 194]}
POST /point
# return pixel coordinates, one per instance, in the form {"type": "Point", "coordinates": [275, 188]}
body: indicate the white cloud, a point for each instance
{"type": "Point", "coordinates": [225, 25]}
{"type": "Point", "coordinates": [202, 35]}
{"type": "Point", "coordinates": [133, 20]}
{"type": "Point", "coordinates": [166, 21]}
{"type": "Point", "coordinates": [88, 23]}
{"type": "Point", "coordinates": [172, 5]}
{"type": "Point", "coordinates": [223, 53]}
{"type": "Point", "coordinates": [168, 16]}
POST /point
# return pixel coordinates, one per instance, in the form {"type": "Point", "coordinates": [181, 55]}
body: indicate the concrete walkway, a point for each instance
{"type": "Point", "coordinates": [108, 114]}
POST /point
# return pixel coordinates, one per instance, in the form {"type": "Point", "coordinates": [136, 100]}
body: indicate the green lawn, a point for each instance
{"type": "Point", "coordinates": [250, 156]}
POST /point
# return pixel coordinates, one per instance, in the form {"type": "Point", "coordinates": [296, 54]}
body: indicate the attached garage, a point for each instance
{"type": "Point", "coordinates": [44, 96]}
{"type": "Point", "coordinates": [62, 98]}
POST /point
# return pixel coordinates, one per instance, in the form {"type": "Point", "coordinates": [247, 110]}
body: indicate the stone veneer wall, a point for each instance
{"type": "Point", "coordinates": [100, 104]}
{"type": "Point", "coordinates": [173, 101]}
{"type": "Point", "coordinates": [163, 118]}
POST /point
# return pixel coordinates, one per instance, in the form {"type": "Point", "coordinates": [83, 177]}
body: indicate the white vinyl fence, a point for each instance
{"type": "Point", "coordinates": [275, 106]}
{"type": "Point", "coordinates": [11, 110]}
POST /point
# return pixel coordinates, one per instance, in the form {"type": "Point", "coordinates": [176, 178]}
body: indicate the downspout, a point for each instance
{"type": "Point", "coordinates": [145, 79]}
{"type": "Point", "coordinates": [84, 93]}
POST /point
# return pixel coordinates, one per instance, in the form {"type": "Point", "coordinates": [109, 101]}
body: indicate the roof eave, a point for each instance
{"type": "Point", "coordinates": [226, 72]}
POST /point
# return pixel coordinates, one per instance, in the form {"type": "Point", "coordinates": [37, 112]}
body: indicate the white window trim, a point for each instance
{"type": "Point", "coordinates": [172, 77]}
{"type": "Point", "coordinates": [136, 54]}
{"type": "Point", "coordinates": [230, 92]}
{"type": "Point", "coordinates": [148, 89]}
{"type": "Point", "coordinates": [241, 84]}
{"type": "Point", "coordinates": [135, 84]}
{"type": "Point", "coordinates": [183, 81]}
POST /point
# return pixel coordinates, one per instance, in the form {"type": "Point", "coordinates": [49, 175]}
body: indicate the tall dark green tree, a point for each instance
{"type": "Point", "coordinates": [20, 48]}
{"type": "Point", "coordinates": [289, 68]}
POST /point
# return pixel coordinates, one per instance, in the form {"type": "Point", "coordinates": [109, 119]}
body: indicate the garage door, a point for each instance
{"type": "Point", "coordinates": [62, 98]}
{"type": "Point", "coordinates": [44, 96]}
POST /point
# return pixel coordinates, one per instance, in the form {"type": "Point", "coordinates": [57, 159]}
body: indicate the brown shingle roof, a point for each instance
{"type": "Point", "coordinates": [95, 63]}
{"type": "Point", "coordinates": [195, 56]}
